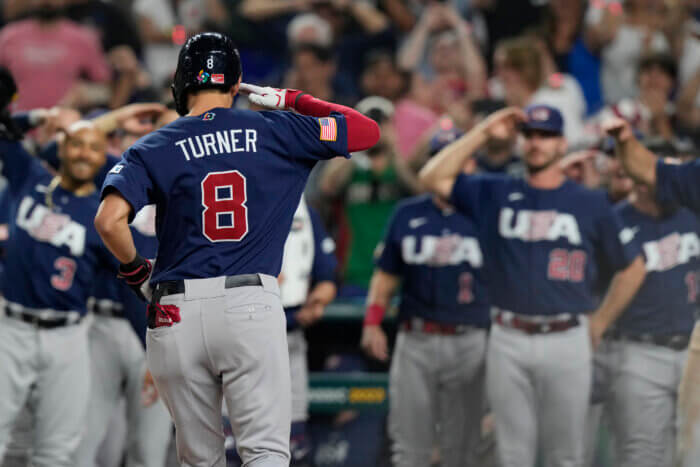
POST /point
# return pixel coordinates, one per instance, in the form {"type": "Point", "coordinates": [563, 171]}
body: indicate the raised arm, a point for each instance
{"type": "Point", "coordinates": [439, 173]}
{"type": "Point", "coordinates": [363, 132]}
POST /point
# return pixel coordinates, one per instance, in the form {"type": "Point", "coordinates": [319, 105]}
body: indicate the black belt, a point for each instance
{"type": "Point", "coordinates": [44, 323]}
{"type": "Point", "coordinates": [175, 287]}
{"type": "Point", "coordinates": [672, 341]}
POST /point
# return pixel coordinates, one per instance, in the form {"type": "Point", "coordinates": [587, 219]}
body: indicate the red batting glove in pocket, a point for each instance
{"type": "Point", "coordinates": [163, 315]}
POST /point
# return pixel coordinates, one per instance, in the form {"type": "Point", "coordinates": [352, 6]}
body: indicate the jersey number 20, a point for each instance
{"type": "Point", "coordinates": [225, 215]}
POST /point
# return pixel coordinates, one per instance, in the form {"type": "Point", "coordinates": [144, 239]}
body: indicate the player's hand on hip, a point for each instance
{"type": "Point", "coordinates": [264, 96]}
{"type": "Point", "coordinates": [374, 342]}
{"type": "Point", "coordinates": [135, 274]}
{"type": "Point", "coordinates": [149, 392]}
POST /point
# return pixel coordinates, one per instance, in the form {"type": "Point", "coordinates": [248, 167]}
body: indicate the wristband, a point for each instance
{"type": "Point", "coordinates": [133, 264]}
{"type": "Point", "coordinates": [291, 97]}
{"type": "Point", "coordinates": [374, 314]}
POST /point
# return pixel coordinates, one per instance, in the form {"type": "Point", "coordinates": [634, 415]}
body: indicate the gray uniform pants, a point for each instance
{"type": "Point", "coordinates": [118, 364]}
{"type": "Point", "coordinates": [538, 388]}
{"type": "Point", "coordinates": [300, 375]}
{"type": "Point", "coordinates": [436, 397]}
{"type": "Point", "coordinates": [644, 399]}
{"type": "Point", "coordinates": [56, 362]}
{"type": "Point", "coordinates": [230, 343]}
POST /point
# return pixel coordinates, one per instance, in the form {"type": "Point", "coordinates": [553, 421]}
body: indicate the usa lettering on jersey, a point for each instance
{"type": "Point", "coordinates": [47, 226]}
{"type": "Point", "coordinates": [219, 142]}
{"type": "Point", "coordinates": [671, 251]}
{"type": "Point", "coordinates": [534, 226]}
{"type": "Point", "coordinates": [448, 250]}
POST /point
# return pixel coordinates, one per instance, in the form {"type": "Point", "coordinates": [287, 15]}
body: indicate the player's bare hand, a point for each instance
{"type": "Point", "coordinates": [503, 123]}
{"type": "Point", "coordinates": [619, 129]}
{"type": "Point", "coordinates": [374, 342]}
{"type": "Point", "coordinates": [149, 393]}
{"type": "Point", "coordinates": [138, 119]}
{"type": "Point", "coordinates": [264, 96]}
{"type": "Point", "coordinates": [309, 314]}
{"type": "Point", "coordinates": [596, 328]}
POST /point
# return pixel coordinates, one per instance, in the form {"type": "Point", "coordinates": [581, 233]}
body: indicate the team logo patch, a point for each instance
{"type": "Point", "coordinates": [203, 76]}
{"type": "Point", "coordinates": [329, 129]}
{"type": "Point", "coordinates": [209, 116]}
{"type": "Point", "coordinates": [116, 169]}
{"type": "Point", "coordinates": [217, 78]}
{"type": "Point", "coordinates": [540, 114]}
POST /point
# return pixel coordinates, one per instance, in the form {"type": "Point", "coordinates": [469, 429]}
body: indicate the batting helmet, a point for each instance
{"type": "Point", "coordinates": [207, 61]}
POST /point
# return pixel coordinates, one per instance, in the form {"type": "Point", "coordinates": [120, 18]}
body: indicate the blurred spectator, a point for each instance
{"type": "Point", "coordinates": [688, 103]}
{"type": "Point", "coordinates": [382, 77]}
{"type": "Point", "coordinates": [114, 23]}
{"type": "Point", "coordinates": [368, 186]}
{"type": "Point", "coordinates": [164, 25]}
{"type": "Point", "coordinates": [508, 18]}
{"type": "Point", "coordinates": [562, 30]}
{"type": "Point", "coordinates": [652, 111]}
{"type": "Point", "coordinates": [50, 55]}
{"type": "Point", "coordinates": [527, 75]}
{"type": "Point", "coordinates": [406, 13]}
{"type": "Point", "coordinates": [309, 28]}
{"type": "Point", "coordinates": [587, 167]}
{"type": "Point", "coordinates": [312, 69]}
{"type": "Point", "coordinates": [619, 183]}
{"type": "Point", "coordinates": [454, 65]}
{"type": "Point", "coordinates": [623, 32]}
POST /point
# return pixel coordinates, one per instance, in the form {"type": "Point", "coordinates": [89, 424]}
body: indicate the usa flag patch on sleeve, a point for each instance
{"type": "Point", "coordinates": [329, 129]}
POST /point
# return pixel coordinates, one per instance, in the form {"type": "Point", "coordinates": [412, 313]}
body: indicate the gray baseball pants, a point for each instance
{"type": "Point", "coordinates": [118, 365]}
{"type": "Point", "coordinates": [643, 405]}
{"type": "Point", "coordinates": [300, 375]}
{"type": "Point", "coordinates": [538, 388]}
{"type": "Point", "coordinates": [56, 362]}
{"type": "Point", "coordinates": [230, 343]}
{"type": "Point", "coordinates": [436, 396]}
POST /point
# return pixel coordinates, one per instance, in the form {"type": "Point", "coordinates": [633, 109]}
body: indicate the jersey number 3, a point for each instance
{"type": "Point", "coordinates": [225, 215]}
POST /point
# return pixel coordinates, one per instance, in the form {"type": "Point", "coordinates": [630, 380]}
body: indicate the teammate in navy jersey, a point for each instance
{"type": "Point", "coordinates": [438, 365]}
{"type": "Point", "coordinates": [53, 252]}
{"type": "Point", "coordinates": [225, 184]}
{"type": "Point", "coordinates": [544, 237]}
{"type": "Point", "coordinates": [652, 334]}
{"type": "Point", "coordinates": [673, 183]}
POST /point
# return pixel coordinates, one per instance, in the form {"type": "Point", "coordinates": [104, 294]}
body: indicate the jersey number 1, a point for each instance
{"type": "Point", "coordinates": [225, 215]}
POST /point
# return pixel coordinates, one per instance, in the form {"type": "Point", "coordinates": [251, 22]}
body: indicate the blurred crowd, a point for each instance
{"type": "Point", "coordinates": [426, 70]}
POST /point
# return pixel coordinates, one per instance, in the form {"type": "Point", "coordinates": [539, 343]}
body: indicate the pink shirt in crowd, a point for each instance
{"type": "Point", "coordinates": [47, 62]}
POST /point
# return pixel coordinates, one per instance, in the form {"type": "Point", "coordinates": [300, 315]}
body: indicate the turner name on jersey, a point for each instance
{"type": "Point", "coordinates": [219, 142]}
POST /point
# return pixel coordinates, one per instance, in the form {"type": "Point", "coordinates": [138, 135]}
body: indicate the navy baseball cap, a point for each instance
{"type": "Point", "coordinates": [543, 118]}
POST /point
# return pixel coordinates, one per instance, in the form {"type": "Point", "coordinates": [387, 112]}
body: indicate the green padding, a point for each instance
{"type": "Point", "coordinates": [332, 392]}
{"type": "Point", "coordinates": [350, 309]}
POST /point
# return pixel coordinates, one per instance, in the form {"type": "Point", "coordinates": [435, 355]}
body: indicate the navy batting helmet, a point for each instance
{"type": "Point", "coordinates": [207, 61]}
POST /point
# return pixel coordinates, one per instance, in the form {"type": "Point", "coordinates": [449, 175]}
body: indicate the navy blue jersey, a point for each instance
{"type": "Point", "coordinates": [545, 247]}
{"type": "Point", "coordinates": [226, 185]}
{"type": "Point", "coordinates": [108, 287]}
{"type": "Point", "coordinates": [4, 231]}
{"type": "Point", "coordinates": [666, 302]}
{"type": "Point", "coordinates": [52, 254]}
{"type": "Point", "coordinates": [678, 184]}
{"type": "Point", "coordinates": [439, 259]}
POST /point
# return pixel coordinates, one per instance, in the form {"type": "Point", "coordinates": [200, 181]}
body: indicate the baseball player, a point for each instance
{"type": "Point", "coordinates": [654, 331]}
{"type": "Point", "coordinates": [226, 184]}
{"type": "Point", "coordinates": [118, 366]}
{"type": "Point", "coordinates": [306, 287]}
{"type": "Point", "coordinates": [437, 370]}
{"type": "Point", "coordinates": [53, 252]}
{"type": "Point", "coordinates": [544, 237]}
{"type": "Point", "coordinates": [673, 183]}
